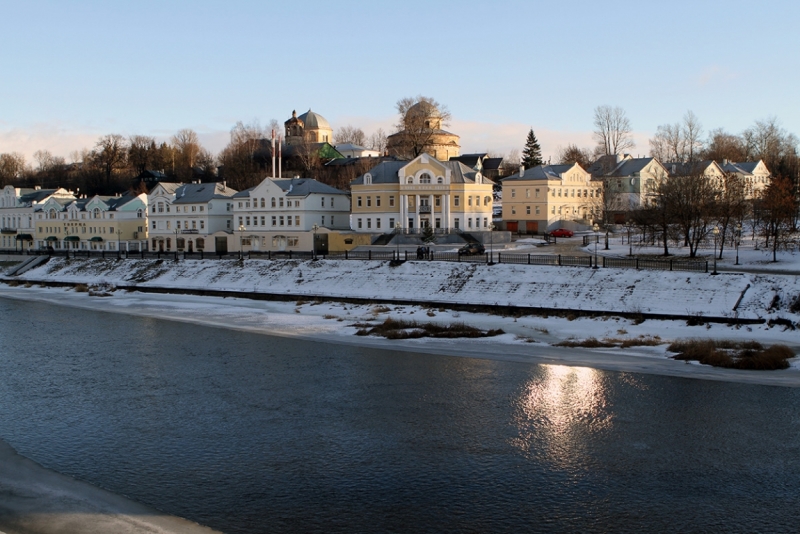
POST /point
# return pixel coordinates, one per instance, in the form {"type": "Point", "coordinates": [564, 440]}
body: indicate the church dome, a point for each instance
{"type": "Point", "coordinates": [314, 121]}
{"type": "Point", "coordinates": [423, 109]}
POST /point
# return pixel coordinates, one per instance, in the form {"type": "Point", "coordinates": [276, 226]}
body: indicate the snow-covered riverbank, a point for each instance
{"type": "Point", "coordinates": [678, 294]}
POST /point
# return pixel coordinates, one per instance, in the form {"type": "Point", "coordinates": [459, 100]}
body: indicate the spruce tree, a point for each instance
{"type": "Point", "coordinates": [532, 154]}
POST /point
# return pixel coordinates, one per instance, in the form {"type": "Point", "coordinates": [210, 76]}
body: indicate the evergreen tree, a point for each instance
{"type": "Point", "coordinates": [428, 236]}
{"type": "Point", "coordinates": [532, 154]}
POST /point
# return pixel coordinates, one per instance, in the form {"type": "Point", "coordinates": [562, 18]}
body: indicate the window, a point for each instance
{"type": "Point", "coordinates": [240, 204]}
{"type": "Point", "coordinates": [369, 202]}
{"type": "Point", "coordinates": [241, 222]}
{"type": "Point", "coordinates": [369, 223]}
{"type": "Point", "coordinates": [457, 223]}
{"type": "Point", "coordinates": [439, 180]}
{"type": "Point", "coordinates": [527, 210]}
{"type": "Point", "coordinates": [410, 223]}
{"type": "Point", "coordinates": [281, 220]}
{"type": "Point", "coordinates": [425, 178]}
{"type": "Point", "coordinates": [202, 225]}
{"type": "Point", "coordinates": [437, 200]}
{"type": "Point", "coordinates": [332, 221]}
{"type": "Point", "coordinates": [469, 222]}
{"type": "Point", "coordinates": [178, 225]}
{"type": "Point", "coordinates": [247, 221]}
{"type": "Point", "coordinates": [410, 180]}
{"type": "Point", "coordinates": [263, 202]}
{"type": "Point", "coordinates": [323, 201]}
{"type": "Point", "coordinates": [513, 210]}
{"type": "Point", "coordinates": [154, 227]}
{"type": "Point", "coordinates": [160, 207]}
{"type": "Point", "coordinates": [358, 201]}
{"type": "Point", "coordinates": [457, 201]}
{"type": "Point", "coordinates": [263, 219]}
{"type": "Point", "coordinates": [513, 193]}
{"type": "Point", "coordinates": [332, 202]}
{"type": "Point", "coordinates": [391, 201]}
{"type": "Point", "coordinates": [537, 210]}
{"type": "Point", "coordinates": [527, 193]}
{"type": "Point", "coordinates": [377, 223]}
{"type": "Point", "coordinates": [280, 202]}
{"type": "Point", "coordinates": [469, 201]}
{"type": "Point", "coordinates": [273, 202]}
{"type": "Point", "coordinates": [139, 214]}
{"type": "Point", "coordinates": [168, 225]}
{"type": "Point", "coordinates": [297, 220]}
{"type": "Point", "coordinates": [202, 208]}
{"type": "Point", "coordinates": [359, 223]}
{"type": "Point", "coordinates": [391, 222]}
{"type": "Point", "coordinates": [536, 192]}
{"type": "Point", "coordinates": [289, 220]}
{"type": "Point", "coordinates": [297, 204]}
{"type": "Point", "coordinates": [377, 202]}
{"type": "Point", "coordinates": [292, 241]}
{"type": "Point", "coordinates": [486, 222]}
{"type": "Point", "coordinates": [274, 220]}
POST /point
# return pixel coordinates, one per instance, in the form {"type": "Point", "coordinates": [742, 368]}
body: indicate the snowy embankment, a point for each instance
{"type": "Point", "coordinates": [664, 293]}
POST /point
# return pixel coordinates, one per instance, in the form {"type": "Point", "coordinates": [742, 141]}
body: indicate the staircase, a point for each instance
{"type": "Point", "coordinates": [383, 239]}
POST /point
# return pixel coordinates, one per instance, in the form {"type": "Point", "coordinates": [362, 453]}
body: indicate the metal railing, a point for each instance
{"type": "Point", "coordinates": [386, 255]}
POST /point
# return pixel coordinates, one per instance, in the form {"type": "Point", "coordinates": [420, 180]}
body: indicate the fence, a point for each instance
{"type": "Point", "coordinates": [387, 255]}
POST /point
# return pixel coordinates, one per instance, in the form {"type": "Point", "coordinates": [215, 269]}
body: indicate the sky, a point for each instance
{"type": "Point", "coordinates": [72, 71]}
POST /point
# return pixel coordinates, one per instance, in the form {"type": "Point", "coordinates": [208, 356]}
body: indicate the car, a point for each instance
{"type": "Point", "coordinates": [562, 232]}
{"type": "Point", "coordinates": [471, 249]}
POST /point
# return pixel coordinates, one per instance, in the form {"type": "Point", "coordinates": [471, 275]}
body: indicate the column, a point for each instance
{"type": "Point", "coordinates": [403, 211]}
{"type": "Point", "coordinates": [416, 215]}
{"type": "Point", "coordinates": [433, 212]}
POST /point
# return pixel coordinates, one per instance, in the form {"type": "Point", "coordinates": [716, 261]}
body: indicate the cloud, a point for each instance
{"type": "Point", "coordinates": [715, 75]}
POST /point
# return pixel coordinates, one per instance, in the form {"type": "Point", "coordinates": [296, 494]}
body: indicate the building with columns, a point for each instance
{"type": "Point", "coordinates": [447, 196]}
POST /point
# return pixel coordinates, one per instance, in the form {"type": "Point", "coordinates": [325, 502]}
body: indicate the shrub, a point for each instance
{"type": "Point", "coordinates": [749, 355]}
{"type": "Point", "coordinates": [82, 288]}
{"type": "Point", "coordinates": [794, 305]}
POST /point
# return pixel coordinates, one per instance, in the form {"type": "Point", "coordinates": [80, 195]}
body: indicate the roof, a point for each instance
{"type": "Point", "coordinates": [313, 120]}
{"type": "Point", "coordinates": [28, 196]}
{"type": "Point", "coordinates": [198, 193]}
{"type": "Point", "coordinates": [349, 146]}
{"type": "Point", "coordinates": [540, 172]}
{"type": "Point", "coordinates": [298, 187]}
{"type": "Point", "coordinates": [169, 187]}
{"type": "Point", "coordinates": [386, 173]}
{"type": "Point", "coordinates": [686, 168]}
{"type": "Point", "coordinates": [628, 167]}
{"type": "Point", "coordinates": [325, 150]}
{"type": "Point", "coordinates": [743, 167]}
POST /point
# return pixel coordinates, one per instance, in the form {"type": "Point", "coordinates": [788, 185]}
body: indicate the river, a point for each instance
{"type": "Point", "coordinates": [251, 433]}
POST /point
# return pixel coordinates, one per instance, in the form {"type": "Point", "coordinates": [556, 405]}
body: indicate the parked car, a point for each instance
{"type": "Point", "coordinates": [562, 232]}
{"type": "Point", "coordinates": [471, 249]}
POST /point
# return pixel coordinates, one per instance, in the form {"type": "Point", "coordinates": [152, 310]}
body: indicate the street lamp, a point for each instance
{"type": "Point", "coordinates": [314, 229]}
{"type": "Point", "coordinates": [491, 244]}
{"type": "Point", "coordinates": [176, 244]}
{"type": "Point", "coordinates": [629, 226]}
{"type": "Point", "coordinates": [738, 238]}
{"type": "Point", "coordinates": [397, 228]}
{"type": "Point", "coordinates": [716, 236]}
{"type": "Point", "coordinates": [241, 241]}
{"type": "Point", "coordinates": [119, 235]}
{"type": "Point", "coordinates": [596, 229]}
{"type": "Point", "coordinates": [606, 247]}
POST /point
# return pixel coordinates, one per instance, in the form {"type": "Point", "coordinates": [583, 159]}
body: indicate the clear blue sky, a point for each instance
{"type": "Point", "coordinates": [74, 70]}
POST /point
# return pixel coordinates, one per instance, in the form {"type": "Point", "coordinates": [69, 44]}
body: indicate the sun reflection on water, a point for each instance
{"type": "Point", "coordinates": [558, 410]}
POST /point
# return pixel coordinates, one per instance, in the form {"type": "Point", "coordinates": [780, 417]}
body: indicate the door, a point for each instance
{"type": "Point", "coordinates": [512, 226]}
{"type": "Point", "coordinates": [532, 227]}
{"type": "Point", "coordinates": [221, 244]}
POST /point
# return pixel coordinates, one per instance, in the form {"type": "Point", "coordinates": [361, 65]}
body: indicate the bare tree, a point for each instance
{"type": "Point", "coordinates": [350, 134]}
{"type": "Point", "coordinates": [12, 165]}
{"type": "Point", "coordinates": [679, 142]}
{"type": "Point", "coordinates": [421, 118]}
{"type": "Point", "coordinates": [187, 148]}
{"type": "Point", "coordinates": [141, 152]}
{"type": "Point", "coordinates": [573, 154]}
{"type": "Point", "coordinates": [44, 159]}
{"type": "Point", "coordinates": [612, 130]}
{"type": "Point", "coordinates": [691, 199]}
{"type": "Point", "coordinates": [377, 141]}
{"type": "Point", "coordinates": [110, 154]}
{"type": "Point", "coordinates": [722, 146]}
{"type": "Point", "coordinates": [778, 209]}
{"type": "Point", "coordinates": [239, 159]}
{"type": "Point", "coordinates": [731, 205]}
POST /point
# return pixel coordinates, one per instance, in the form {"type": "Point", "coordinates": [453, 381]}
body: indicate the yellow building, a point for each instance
{"type": "Point", "coordinates": [309, 127]}
{"type": "Point", "coordinates": [447, 196]}
{"type": "Point", "coordinates": [547, 197]}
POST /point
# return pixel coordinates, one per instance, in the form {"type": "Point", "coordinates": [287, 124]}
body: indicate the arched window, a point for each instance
{"type": "Point", "coordinates": [139, 213]}
{"type": "Point", "coordinates": [52, 214]}
{"type": "Point", "coordinates": [263, 202]}
{"type": "Point", "coordinates": [425, 178]}
{"type": "Point", "coordinates": [273, 202]}
{"type": "Point", "coordinates": [96, 213]}
{"type": "Point", "coordinates": [410, 180]}
{"type": "Point", "coordinates": [439, 180]}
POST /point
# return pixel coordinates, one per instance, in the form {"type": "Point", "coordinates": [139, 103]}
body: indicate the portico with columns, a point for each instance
{"type": "Point", "coordinates": [424, 192]}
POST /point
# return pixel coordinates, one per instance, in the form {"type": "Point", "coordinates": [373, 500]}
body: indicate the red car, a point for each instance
{"type": "Point", "coordinates": [562, 232]}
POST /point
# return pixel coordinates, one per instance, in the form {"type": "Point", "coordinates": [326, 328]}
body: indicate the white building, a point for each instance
{"type": "Point", "coordinates": [17, 225]}
{"type": "Point", "coordinates": [190, 217]}
{"type": "Point", "coordinates": [280, 214]}
{"type": "Point", "coordinates": [349, 150]}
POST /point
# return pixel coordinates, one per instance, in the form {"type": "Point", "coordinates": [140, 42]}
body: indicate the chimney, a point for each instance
{"type": "Point", "coordinates": [618, 157]}
{"type": "Point", "coordinates": [521, 170]}
{"type": "Point", "coordinates": [724, 161]}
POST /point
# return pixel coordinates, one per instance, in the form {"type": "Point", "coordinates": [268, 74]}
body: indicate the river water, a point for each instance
{"type": "Point", "coordinates": [251, 433]}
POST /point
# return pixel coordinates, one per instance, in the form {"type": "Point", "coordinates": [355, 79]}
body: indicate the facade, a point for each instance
{"type": "Point", "coordinates": [547, 197]}
{"type": "Point", "coordinates": [630, 183]}
{"type": "Point", "coordinates": [98, 223]}
{"type": "Point", "coordinates": [423, 133]}
{"type": "Point", "coordinates": [309, 127]}
{"type": "Point", "coordinates": [446, 196]}
{"type": "Point", "coordinates": [190, 217]}
{"type": "Point", "coordinates": [349, 150]}
{"type": "Point", "coordinates": [280, 215]}
{"type": "Point", "coordinates": [17, 205]}
{"type": "Point", "coordinates": [755, 174]}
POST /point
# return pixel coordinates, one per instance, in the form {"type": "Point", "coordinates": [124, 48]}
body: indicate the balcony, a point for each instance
{"type": "Point", "coordinates": [8, 231]}
{"type": "Point", "coordinates": [424, 209]}
{"type": "Point", "coordinates": [190, 231]}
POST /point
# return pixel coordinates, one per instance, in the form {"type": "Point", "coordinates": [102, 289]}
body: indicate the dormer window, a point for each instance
{"type": "Point", "coordinates": [425, 178]}
{"type": "Point", "coordinates": [410, 180]}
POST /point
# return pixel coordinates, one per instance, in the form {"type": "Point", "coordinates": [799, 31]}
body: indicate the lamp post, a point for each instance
{"type": "Point", "coordinates": [491, 244]}
{"type": "Point", "coordinates": [119, 236]}
{"type": "Point", "coordinates": [738, 238]}
{"type": "Point", "coordinates": [176, 244]}
{"type": "Point", "coordinates": [241, 241]}
{"type": "Point", "coordinates": [716, 236]}
{"type": "Point", "coordinates": [66, 241]}
{"type": "Point", "coordinates": [629, 226]}
{"type": "Point", "coordinates": [397, 228]}
{"type": "Point", "coordinates": [596, 228]}
{"type": "Point", "coordinates": [314, 229]}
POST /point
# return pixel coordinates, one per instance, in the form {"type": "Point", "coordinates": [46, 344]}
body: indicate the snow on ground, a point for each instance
{"type": "Point", "coordinates": [527, 338]}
